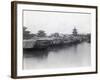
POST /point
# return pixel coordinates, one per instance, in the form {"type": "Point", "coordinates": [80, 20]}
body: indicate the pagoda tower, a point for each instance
{"type": "Point", "coordinates": [74, 32]}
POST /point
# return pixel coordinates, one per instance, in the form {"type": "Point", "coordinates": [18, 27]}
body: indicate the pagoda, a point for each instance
{"type": "Point", "coordinates": [75, 32]}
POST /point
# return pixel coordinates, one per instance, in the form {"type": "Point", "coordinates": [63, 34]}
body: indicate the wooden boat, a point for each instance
{"type": "Point", "coordinates": [28, 44]}
{"type": "Point", "coordinates": [39, 43]}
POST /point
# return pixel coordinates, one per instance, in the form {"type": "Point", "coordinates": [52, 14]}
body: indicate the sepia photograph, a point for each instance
{"type": "Point", "coordinates": [53, 39]}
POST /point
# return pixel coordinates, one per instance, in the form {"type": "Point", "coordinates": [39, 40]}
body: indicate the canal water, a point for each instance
{"type": "Point", "coordinates": [77, 55]}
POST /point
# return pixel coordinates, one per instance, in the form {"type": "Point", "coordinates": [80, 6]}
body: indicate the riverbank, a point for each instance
{"type": "Point", "coordinates": [45, 42]}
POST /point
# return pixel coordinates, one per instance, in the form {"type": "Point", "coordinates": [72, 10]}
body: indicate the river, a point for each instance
{"type": "Point", "coordinates": [76, 55]}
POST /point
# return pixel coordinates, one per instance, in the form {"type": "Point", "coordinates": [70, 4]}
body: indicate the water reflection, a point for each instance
{"type": "Point", "coordinates": [58, 57]}
{"type": "Point", "coordinates": [39, 54]}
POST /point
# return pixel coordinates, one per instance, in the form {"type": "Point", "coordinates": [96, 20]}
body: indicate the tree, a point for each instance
{"type": "Point", "coordinates": [41, 33]}
{"type": "Point", "coordinates": [27, 34]}
{"type": "Point", "coordinates": [56, 35]}
{"type": "Point", "coordinates": [88, 37]}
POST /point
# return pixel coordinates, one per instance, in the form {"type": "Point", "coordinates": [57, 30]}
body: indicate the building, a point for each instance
{"type": "Point", "coordinates": [75, 32]}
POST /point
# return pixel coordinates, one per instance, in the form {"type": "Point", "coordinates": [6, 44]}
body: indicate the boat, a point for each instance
{"type": "Point", "coordinates": [40, 43]}
{"type": "Point", "coordinates": [28, 44]}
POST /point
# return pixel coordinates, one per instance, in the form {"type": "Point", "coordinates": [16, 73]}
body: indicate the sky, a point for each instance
{"type": "Point", "coordinates": [52, 22]}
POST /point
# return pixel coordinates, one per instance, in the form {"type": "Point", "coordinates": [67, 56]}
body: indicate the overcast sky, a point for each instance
{"type": "Point", "coordinates": [52, 22]}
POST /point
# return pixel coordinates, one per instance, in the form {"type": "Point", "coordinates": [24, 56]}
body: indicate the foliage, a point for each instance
{"type": "Point", "coordinates": [41, 33]}
{"type": "Point", "coordinates": [27, 34]}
